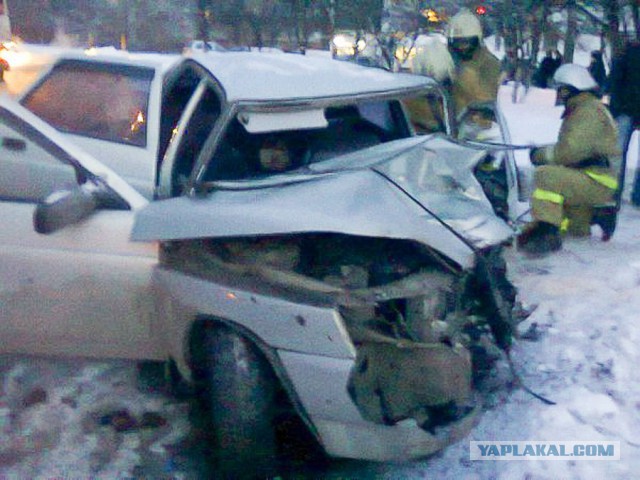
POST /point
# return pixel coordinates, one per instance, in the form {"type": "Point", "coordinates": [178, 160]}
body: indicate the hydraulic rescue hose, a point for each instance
{"type": "Point", "coordinates": [480, 145]}
{"type": "Point", "coordinates": [519, 383]}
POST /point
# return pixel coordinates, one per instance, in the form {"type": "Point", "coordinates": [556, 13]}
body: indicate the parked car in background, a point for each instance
{"type": "Point", "coordinates": [362, 49]}
{"type": "Point", "coordinates": [199, 46]}
{"type": "Point", "coordinates": [357, 288]}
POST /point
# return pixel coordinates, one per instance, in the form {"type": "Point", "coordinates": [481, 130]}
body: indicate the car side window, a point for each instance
{"type": "Point", "coordinates": [95, 100]}
{"type": "Point", "coordinates": [29, 172]}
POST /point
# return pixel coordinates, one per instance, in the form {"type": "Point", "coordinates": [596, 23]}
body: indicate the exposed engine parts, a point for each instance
{"type": "Point", "coordinates": [425, 332]}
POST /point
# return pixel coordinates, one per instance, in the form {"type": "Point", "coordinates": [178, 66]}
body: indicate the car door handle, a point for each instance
{"type": "Point", "coordinates": [15, 144]}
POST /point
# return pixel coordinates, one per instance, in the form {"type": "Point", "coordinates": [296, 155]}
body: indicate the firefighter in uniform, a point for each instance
{"type": "Point", "coordinates": [577, 173]}
{"type": "Point", "coordinates": [477, 75]}
{"type": "Point", "coordinates": [433, 60]}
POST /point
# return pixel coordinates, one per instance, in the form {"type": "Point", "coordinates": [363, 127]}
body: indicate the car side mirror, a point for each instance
{"type": "Point", "coordinates": [63, 208]}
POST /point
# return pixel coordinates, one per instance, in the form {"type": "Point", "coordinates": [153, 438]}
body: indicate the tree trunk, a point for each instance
{"type": "Point", "coordinates": [510, 35]}
{"type": "Point", "coordinates": [331, 13]}
{"type": "Point", "coordinates": [296, 17]}
{"type": "Point", "coordinates": [544, 28]}
{"type": "Point", "coordinates": [306, 11]}
{"type": "Point", "coordinates": [203, 24]}
{"type": "Point", "coordinates": [537, 27]}
{"type": "Point", "coordinates": [635, 10]}
{"type": "Point", "coordinates": [572, 30]}
{"type": "Point", "coordinates": [612, 9]}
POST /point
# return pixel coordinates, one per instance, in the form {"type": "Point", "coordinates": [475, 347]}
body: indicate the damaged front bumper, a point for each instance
{"type": "Point", "coordinates": [339, 425]}
{"type": "Point", "coordinates": [379, 373]}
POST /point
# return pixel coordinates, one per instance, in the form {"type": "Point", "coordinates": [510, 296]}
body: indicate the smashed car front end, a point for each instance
{"type": "Point", "coordinates": [371, 304]}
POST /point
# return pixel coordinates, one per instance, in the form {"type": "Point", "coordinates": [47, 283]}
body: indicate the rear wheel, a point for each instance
{"type": "Point", "coordinates": [239, 397]}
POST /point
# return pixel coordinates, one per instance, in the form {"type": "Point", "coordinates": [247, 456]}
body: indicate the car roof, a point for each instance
{"type": "Point", "coordinates": [255, 76]}
{"type": "Point", "coordinates": [270, 76]}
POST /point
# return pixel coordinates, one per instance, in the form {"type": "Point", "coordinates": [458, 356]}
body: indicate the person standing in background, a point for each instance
{"type": "Point", "coordinates": [598, 70]}
{"type": "Point", "coordinates": [432, 60]}
{"type": "Point", "coordinates": [548, 66]}
{"type": "Point", "coordinates": [624, 91]}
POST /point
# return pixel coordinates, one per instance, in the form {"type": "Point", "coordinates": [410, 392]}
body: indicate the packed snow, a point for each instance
{"type": "Point", "coordinates": [579, 348]}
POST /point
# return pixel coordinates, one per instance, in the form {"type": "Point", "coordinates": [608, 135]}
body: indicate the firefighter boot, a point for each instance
{"type": "Point", "coordinates": [606, 219]}
{"type": "Point", "coordinates": [539, 238]}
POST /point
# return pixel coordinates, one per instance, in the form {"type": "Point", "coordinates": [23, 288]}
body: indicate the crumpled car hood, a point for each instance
{"type": "Point", "coordinates": [419, 189]}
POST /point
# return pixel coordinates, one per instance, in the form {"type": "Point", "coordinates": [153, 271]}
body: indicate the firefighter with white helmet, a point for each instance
{"type": "Point", "coordinates": [478, 75]}
{"type": "Point", "coordinates": [575, 76]}
{"type": "Point", "coordinates": [577, 173]}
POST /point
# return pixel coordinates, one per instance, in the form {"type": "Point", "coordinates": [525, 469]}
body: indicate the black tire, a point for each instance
{"type": "Point", "coordinates": [239, 396]}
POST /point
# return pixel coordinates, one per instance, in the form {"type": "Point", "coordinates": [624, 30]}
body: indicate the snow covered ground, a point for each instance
{"type": "Point", "coordinates": [82, 419]}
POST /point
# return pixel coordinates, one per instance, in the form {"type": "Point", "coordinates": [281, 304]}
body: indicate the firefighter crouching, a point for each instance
{"type": "Point", "coordinates": [577, 173]}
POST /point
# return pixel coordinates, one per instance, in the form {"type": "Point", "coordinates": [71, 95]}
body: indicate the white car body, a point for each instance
{"type": "Point", "coordinates": [86, 290]}
{"type": "Point", "coordinates": [272, 82]}
{"type": "Point", "coordinates": [88, 283]}
{"type": "Point", "coordinates": [135, 163]}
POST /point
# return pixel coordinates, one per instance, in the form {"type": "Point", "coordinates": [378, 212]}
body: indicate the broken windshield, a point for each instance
{"type": "Point", "coordinates": [347, 128]}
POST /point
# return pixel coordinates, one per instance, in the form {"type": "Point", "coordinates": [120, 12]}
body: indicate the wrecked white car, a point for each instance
{"type": "Point", "coordinates": [367, 287]}
{"type": "Point", "coordinates": [357, 286]}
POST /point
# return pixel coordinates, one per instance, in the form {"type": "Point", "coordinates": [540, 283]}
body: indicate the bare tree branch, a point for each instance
{"type": "Point", "coordinates": [592, 16]}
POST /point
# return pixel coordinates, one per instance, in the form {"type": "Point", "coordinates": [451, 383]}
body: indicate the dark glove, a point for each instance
{"type": "Point", "coordinates": [536, 155]}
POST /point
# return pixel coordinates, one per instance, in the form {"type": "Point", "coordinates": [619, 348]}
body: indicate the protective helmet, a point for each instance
{"type": "Point", "coordinates": [432, 59]}
{"type": "Point", "coordinates": [464, 24]}
{"type": "Point", "coordinates": [575, 76]}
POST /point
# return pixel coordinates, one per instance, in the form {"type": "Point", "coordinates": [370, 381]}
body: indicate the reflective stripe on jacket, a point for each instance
{"type": "Point", "coordinates": [603, 178]}
{"type": "Point", "coordinates": [547, 196]}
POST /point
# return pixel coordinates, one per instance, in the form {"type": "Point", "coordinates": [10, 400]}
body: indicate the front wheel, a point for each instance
{"type": "Point", "coordinates": [239, 397]}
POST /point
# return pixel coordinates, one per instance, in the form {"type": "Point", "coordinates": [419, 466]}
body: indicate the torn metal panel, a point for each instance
{"type": "Point", "coordinates": [279, 323]}
{"type": "Point", "coordinates": [357, 203]}
{"type": "Point", "coordinates": [401, 192]}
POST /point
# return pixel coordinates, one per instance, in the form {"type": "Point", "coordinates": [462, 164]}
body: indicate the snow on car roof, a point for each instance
{"type": "Point", "coordinates": [158, 61]}
{"type": "Point", "coordinates": [281, 76]}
